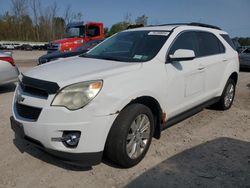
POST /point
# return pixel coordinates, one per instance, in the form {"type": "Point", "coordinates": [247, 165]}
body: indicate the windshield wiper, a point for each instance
{"type": "Point", "coordinates": [100, 57]}
{"type": "Point", "coordinates": [110, 58]}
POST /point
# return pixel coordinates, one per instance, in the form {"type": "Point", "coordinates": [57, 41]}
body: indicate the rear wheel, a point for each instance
{"type": "Point", "coordinates": [227, 97]}
{"type": "Point", "coordinates": [130, 135]}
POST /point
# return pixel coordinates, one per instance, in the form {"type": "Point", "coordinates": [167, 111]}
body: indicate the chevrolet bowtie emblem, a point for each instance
{"type": "Point", "coordinates": [19, 98]}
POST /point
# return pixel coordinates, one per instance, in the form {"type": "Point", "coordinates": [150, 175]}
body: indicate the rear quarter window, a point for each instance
{"type": "Point", "coordinates": [228, 40]}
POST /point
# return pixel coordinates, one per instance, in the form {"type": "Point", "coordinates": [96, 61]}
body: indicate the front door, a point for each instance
{"type": "Point", "coordinates": [186, 79]}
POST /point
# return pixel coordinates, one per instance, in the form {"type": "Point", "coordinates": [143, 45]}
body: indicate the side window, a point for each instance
{"type": "Point", "coordinates": [186, 40]}
{"type": "Point", "coordinates": [228, 40]}
{"type": "Point", "coordinates": [209, 44]}
{"type": "Point", "coordinates": [247, 51]}
{"type": "Point", "coordinates": [93, 31]}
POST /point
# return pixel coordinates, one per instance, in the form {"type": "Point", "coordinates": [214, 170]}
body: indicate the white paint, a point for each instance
{"type": "Point", "coordinates": [176, 86]}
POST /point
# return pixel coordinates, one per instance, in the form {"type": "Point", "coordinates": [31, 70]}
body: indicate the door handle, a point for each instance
{"type": "Point", "coordinates": [201, 68]}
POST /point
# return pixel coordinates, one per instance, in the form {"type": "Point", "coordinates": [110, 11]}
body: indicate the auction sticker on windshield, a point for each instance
{"type": "Point", "coordinates": [162, 33]}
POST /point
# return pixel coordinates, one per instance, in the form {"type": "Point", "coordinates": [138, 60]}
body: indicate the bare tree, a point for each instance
{"type": "Point", "coordinates": [19, 9]}
{"type": "Point", "coordinates": [35, 7]}
{"type": "Point", "coordinates": [127, 18]}
{"type": "Point", "coordinates": [68, 14]}
{"type": "Point", "coordinates": [52, 12]}
{"type": "Point", "coordinates": [78, 17]}
{"type": "Point", "coordinates": [142, 20]}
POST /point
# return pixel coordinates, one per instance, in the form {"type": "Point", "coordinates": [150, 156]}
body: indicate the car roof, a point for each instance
{"type": "Point", "coordinates": [171, 27]}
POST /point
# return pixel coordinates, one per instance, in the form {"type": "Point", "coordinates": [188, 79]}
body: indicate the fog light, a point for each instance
{"type": "Point", "coordinates": [71, 138]}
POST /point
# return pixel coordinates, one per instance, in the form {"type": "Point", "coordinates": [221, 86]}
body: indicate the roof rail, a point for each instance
{"type": "Point", "coordinates": [204, 25]}
{"type": "Point", "coordinates": [190, 24]}
{"type": "Point", "coordinates": [168, 24]}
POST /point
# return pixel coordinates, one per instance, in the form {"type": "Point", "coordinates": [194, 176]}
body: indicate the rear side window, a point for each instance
{"type": "Point", "coordinates": [209, 44]}
{"type": "Point", "coordinates": [228, 40]}
{"type": "Point", "coordinates": [186, 40]}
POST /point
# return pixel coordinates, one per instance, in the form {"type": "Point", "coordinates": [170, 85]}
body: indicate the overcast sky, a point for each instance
{"type": "Point", "coordinates": [231, 15]}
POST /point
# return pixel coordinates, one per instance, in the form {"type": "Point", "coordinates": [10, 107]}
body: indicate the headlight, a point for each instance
{"type": "Point", "coordinates": [78, 95]}
{"type": "Point", "coordinates": [78, 42]}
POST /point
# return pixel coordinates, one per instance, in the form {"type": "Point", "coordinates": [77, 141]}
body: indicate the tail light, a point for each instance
{"type": "Point", "coordinates": [9, 60]}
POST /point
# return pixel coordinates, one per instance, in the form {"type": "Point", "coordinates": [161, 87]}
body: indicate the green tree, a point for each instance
{"type": "Point", "coordinates": [106, 31]}
{"type": "Point", "coordinates": [142, 20]}
{"type": "Point", "coordinates": [244, 41]}
{"type": "Point", "coordinates": [120, 26]}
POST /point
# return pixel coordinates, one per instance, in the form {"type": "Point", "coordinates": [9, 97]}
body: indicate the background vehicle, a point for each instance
{"type": "Point", "coordinates": [9, 46]}
{"type": "Point", "coordinates": [245, 58]}
{"type": "Point", "coordinates": [118, 96]}
{"type": "Point", "coordinates": [8, 69]}
{"type": "Point", "coordinates": [26, 47]}
{"type": "Point", "coordinates": [57, 54]}
{"type": "Point", "coordinates": [76, 35]}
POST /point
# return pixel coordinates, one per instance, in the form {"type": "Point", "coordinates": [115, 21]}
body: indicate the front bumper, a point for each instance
{"type": "Point", "coordinates": [88, 159]}
{"type": "Point", "coordinates": [46, 124]}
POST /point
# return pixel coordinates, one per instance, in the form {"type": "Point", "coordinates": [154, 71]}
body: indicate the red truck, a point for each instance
{"type": "Point", "coordinates": [77, 33]}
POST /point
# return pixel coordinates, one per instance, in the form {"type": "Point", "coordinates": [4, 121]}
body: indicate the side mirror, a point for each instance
{"type": "Point", "coordinates": [182, 55]}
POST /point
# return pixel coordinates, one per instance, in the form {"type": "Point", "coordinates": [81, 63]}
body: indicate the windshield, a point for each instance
{"type": "Point", "coordinates": [89, 45]}
{"type": "Point", "coordinates": [75, 32]}
{"type": "Point", "coordinates": [131, 46]}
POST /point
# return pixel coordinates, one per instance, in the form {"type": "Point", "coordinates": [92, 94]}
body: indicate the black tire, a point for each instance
{"type": "Point", "coordinates": [116, 144]}
{"type": "Point", "coordinates": [221, 104]}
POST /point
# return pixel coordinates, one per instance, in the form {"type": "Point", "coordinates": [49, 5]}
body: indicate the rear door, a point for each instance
{"type": "Point", "coordinates": [212, 59]}
{"type": "Point", "coordinates": [185, 79]}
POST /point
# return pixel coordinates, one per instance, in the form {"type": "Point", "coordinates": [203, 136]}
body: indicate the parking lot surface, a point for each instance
{"type": "Point", "coordinates": [210, 149]}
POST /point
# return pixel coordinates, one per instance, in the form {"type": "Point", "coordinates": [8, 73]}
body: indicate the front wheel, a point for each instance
{"type": "Point", "coordinates": [130, 136]}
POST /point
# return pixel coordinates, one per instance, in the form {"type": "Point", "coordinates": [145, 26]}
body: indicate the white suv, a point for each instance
{"type": "Point", "coordinates": [125, 91]}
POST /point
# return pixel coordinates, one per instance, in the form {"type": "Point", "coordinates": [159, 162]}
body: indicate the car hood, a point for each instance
{"type": "Point", "coordinates": [77, 69]}
{"type": "Point", "coordinates": [60, 41]}
{"type": "Point", "coordinates": [58, 54]}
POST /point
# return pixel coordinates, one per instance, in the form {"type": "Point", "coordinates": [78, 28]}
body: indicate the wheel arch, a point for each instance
{"type": "Point", "coordinates": [234, 76]}
{"type": "Point", "coordinates": [156, 109]}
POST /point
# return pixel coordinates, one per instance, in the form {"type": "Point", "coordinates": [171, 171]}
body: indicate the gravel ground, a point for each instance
{"type": "Point", "coordinates": [210, 149]}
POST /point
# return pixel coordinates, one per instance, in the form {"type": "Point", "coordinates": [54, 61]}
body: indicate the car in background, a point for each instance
{"type": "Point", "coordinates": [80, 50]}
{"type": "Point", "coordinates": [9, 46]}
{"type": "Point", "coordinates": [245, 59]}
{"type": "Point", "coordinates": [26, 47]}
{"type": "Point", "coordinates": [76, 34]}
{"type": "Point", "coordinates": [8, 69]}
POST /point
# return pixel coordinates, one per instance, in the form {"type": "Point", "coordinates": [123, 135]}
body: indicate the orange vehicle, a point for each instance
{"type": "Point", "coordinates": [77, 33]}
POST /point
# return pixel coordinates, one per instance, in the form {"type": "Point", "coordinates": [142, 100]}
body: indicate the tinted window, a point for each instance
{"type": "Point", "coordinates": [229, 41]}
{"type": "Point", "coordinates": [130, 46]}
{"type": "Point", "coordinates": [93, 30]}
{"type": "Point", "coordinates": [185, 40]}
{"type": "Point", "coordinates": [247, 51]}
{"type": "Point", "coordinates": [209, 44]}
